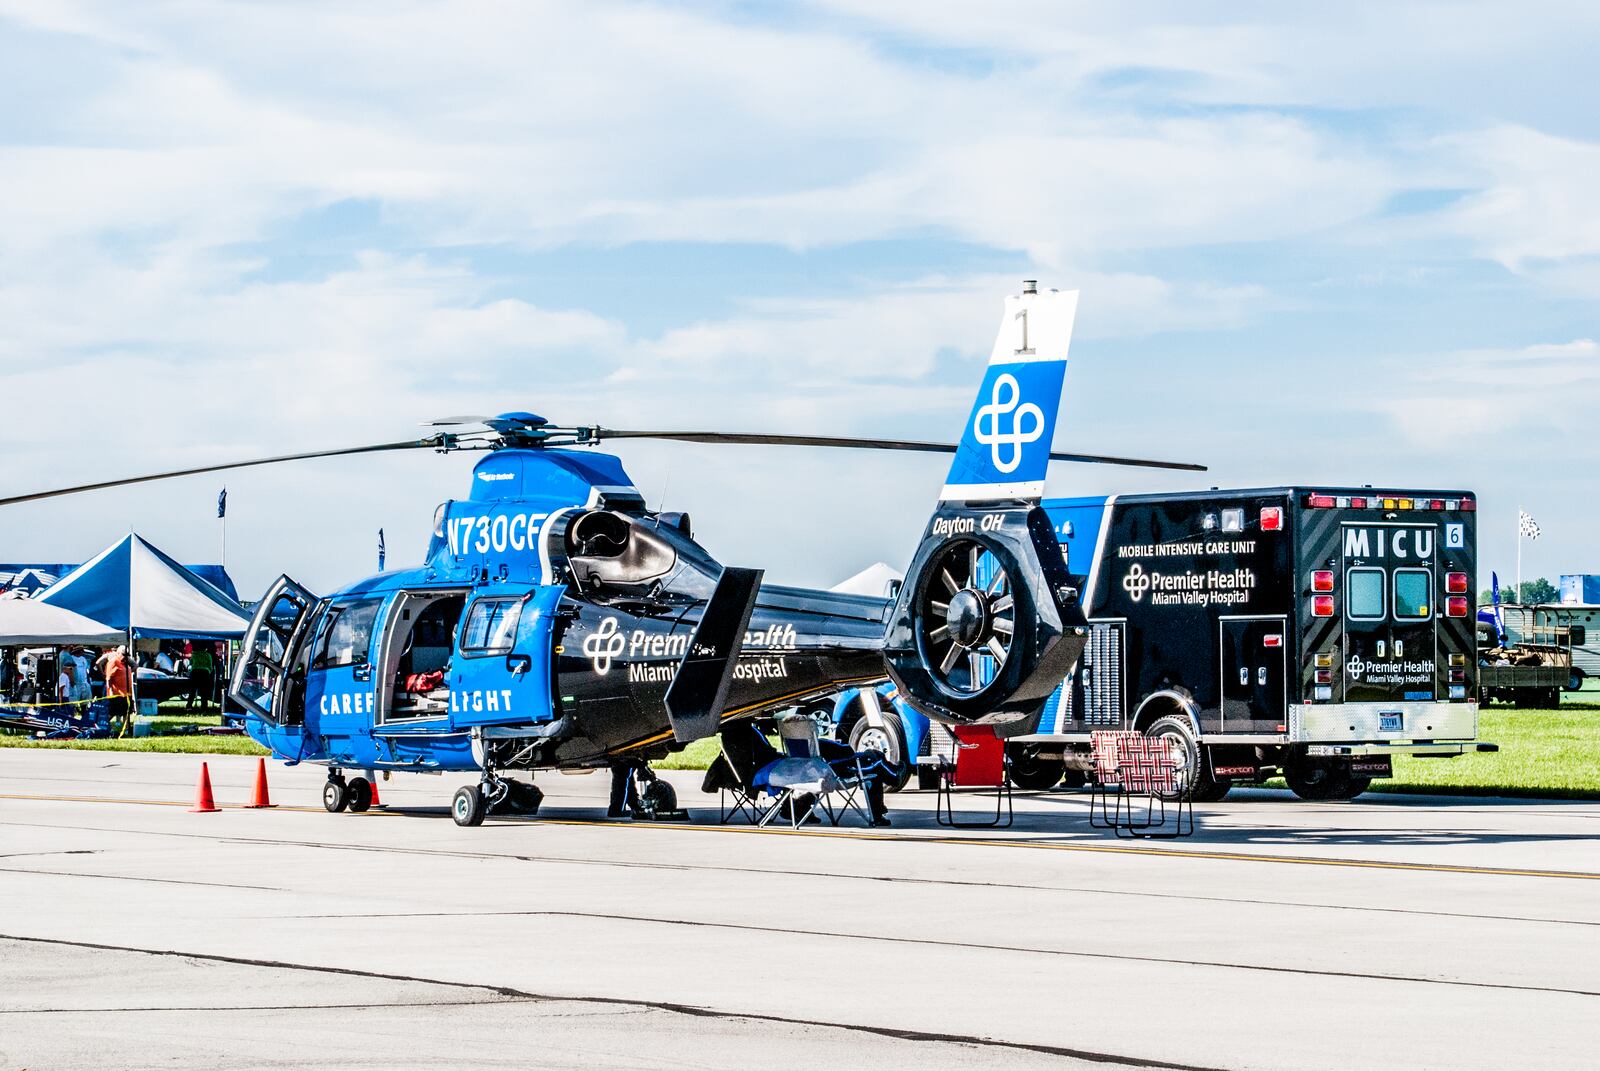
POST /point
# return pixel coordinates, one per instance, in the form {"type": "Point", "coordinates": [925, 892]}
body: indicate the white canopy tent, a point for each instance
{"type": "Point", "coordinates": [30, 623]}
{"type": "Point", "coordinates": [873, 580]}
{"type": "Point", "coordinates": [136, 588]}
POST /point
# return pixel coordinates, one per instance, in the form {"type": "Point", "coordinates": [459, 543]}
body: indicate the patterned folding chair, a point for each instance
{"type": "Point", "coordinates": [1147, 768]}
{"type": "Point", "coordinates": [1107, 776]}
{"type": "Point", "coordinates": [980, 764]}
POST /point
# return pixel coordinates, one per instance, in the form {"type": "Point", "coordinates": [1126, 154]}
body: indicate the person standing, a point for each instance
{"type": "Point", "coordinates": [80, 683]}
{"type": "Point", "coordinates": [118, 686]}
{"type": "Point", "coordinates": [201, 669]}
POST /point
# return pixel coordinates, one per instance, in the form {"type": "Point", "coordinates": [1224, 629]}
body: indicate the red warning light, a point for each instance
{"type": "Point", "coordinates": [1271, 518]}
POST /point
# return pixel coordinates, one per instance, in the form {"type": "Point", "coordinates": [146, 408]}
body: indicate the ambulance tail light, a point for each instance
{"type": "Point", "coordinates": [1358, 503]}
{"type": "Point", "coordinates": [1469, 505]}
{"type": "Point", "coordinates": [1322, 580]}
{"type": "Point", "coordinates": [1324, 676]}
{"type": "Point", "coordinates": [1320, 501]}
{"type": "Point", "coordinates": [1322, 606]}
{"type": "Point", "coordinates": [1274, 640]}
{"type": "Point", "coordinates": [1455, 583]}
{"type": "Point", "coordinates": [1322, 692]}
{"type": "Point", "coordinates": [1458, 691]}
{"type": "Point", "coordinates": [1271, 518]}
{"type": "Point", "coordinates": [1456, 606]}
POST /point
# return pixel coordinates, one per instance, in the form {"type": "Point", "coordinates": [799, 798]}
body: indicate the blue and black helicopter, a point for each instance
{"type": "Point", "coordinates": [558, 623]}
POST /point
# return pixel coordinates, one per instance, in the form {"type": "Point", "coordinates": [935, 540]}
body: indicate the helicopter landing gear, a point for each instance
{"type": "Point", "coordinates": [468, 807]}
{"type": "Point", "coordinates": [360, 792]}
{"type": "Point", "coordinates": [336, 794]}
{"type": "Point", "coordinates": [648, 798]}
{"type": "Point", "coordinates": [473, 802]}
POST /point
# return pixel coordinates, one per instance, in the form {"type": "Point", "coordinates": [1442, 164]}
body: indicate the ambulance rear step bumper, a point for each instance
{"type": "Point", "coordinates": [1423, 750]}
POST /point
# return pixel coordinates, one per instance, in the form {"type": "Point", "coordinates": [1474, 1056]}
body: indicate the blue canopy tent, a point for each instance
{"type": "Point", "coordinates": [137, 589]}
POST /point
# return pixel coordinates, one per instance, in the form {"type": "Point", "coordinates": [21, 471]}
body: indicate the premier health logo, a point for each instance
{"type": "Point", "coordinates": [1022, 413]}
{"type": "Point", "coordinates": [602, 645]}
{"type": "Point", "coordinates": [1136, 583]}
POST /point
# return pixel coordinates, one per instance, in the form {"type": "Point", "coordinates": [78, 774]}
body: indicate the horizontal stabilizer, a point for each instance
{"type": "Point", "coordinates": [699, 692]}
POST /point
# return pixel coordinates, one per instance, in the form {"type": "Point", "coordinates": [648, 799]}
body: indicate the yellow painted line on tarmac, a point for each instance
{"type": "Point", "coordinates": [901, 838]}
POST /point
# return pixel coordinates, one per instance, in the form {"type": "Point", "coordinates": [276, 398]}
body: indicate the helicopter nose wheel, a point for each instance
{"type": "Point", "coordinates": [335, 794]}
{"type": "Point", "coordinates": [468, 807]}
{"type": "Point", "coordinates": [967, 617]}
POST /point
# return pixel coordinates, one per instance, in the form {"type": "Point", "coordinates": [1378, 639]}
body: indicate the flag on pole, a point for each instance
{"type": "Point", "coordinates": [380, 550]}
{"type": "Point", "coordinates": [222, 503]}
{"type": "Point", "coordinates": [1526, 525]}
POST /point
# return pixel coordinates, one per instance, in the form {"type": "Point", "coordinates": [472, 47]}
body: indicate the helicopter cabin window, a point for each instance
{"type": "Point", "coordinates": [491, 627]}
{"type": "Point", "coordinates": [345, 635]}
{"type": "Point", "coordinates": [417, 653]}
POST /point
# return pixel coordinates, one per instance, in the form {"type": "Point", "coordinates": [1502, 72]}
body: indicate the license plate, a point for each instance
{"type": "Point", "coordinates": [1391, 723]}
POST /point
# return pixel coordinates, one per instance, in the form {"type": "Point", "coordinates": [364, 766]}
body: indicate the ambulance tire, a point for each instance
{"type": "Point", "coordinates": [1314, 781]}
{"type": "Point", "coordinates": [890, 740]}
{"type": "Point", "coordinates": [1211, 791]}
{"type": "Point", "coordinates": [468, 807]}
{"type": "Point", "coordinates": [360, 790]}
{"type": "Point", "coordinates": [1352, 787]}
{"type": "Point", "coordinates": [335, 796]}
{"type": "Point", "coordinates": [1177, 731]}
{"type": "Point", "coordinates": [1074, 778]}
{"type": "Point", "coordinates": [1030, 770]}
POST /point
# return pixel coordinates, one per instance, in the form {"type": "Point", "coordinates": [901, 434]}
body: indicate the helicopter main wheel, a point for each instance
{"type": "Point", "coordinates": [966, 619]}
{"type": "Point", "coordinates": [468, 807]}
{"type": "Point", "coordinates": [335, 796]}
{"type": "Point", "coordinates": [360, 792]}
{"type": "Point", "coordinates": [657, 797]}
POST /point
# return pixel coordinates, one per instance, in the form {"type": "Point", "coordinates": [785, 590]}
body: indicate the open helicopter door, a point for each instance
{"type": "Point", "coordinates": [501, 673]}
{"type": "Point", "coordinates": [262, 678]}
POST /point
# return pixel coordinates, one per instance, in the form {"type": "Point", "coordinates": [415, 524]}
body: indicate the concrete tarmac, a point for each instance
{"type": "Point", "coordinates": [1421, 932]}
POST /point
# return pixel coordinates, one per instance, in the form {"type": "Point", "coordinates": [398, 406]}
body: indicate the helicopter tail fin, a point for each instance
{"type": "Point", "coordinates": [988, 623]}
{"type": "Point", "coordinates": [1005, 446]}
{"type": "Point", "coordinates": [699, 690]}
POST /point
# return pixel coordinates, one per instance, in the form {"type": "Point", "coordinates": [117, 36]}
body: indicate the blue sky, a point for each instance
{"type": "Point", "coordinates": [1350, 244]}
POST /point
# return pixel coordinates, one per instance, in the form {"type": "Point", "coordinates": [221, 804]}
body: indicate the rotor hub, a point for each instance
{"type": "Point", "coordinates": [967, 617]}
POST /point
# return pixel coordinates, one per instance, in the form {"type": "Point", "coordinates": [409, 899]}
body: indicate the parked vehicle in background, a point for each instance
{"type": "Point", "coordinates": [1529, 674]}
{"type": "Point", "coordinates": [1575, 626]}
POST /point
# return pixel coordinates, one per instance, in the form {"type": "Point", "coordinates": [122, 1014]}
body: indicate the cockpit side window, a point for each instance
{"type": "Point", "coordinates": [345, 635]}
{"type": "Point", "coordinates": [491, 626]}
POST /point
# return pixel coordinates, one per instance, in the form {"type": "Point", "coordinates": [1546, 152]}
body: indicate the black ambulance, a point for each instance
{"type": "Point", "coordinates": [1312, 632]}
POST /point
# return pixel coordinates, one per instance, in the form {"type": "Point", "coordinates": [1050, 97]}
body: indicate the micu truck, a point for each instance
{"type": "Point", "coordinates": [1308, 632]}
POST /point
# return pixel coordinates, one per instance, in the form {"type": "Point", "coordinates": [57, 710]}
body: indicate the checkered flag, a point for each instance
{"type": "Point", "coordinates": [1526, 525]}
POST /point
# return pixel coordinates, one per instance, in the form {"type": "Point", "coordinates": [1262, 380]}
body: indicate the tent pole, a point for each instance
{"type": "Point", "coordinates": [133, 685]}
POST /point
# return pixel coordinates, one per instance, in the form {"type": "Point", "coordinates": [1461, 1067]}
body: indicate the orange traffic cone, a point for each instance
{"type": "Point", "coordinates": [203, 803]}
{"type": "Point", "coordinates": [376, 802]}
{"type": "Point", "coordinates": [259, 796]}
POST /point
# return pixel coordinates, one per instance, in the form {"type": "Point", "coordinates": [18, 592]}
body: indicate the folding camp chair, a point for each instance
{"type": "Point", "coordinates": [734, 797]}
{"type": "Point", "coordinates": [1107, 776]}
{"type": "Point", "coordinates": [836, 786]}
{"type": "Point", "coordinates": [980, 764]}
{"type": "Point", "coordinates": [1146, 767]}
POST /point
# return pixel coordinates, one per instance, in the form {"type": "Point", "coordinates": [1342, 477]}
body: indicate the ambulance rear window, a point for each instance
{"type": "Point", "coordinates": [1413, 594]}
{"type": "Point", "coordinates": [1364, 595]}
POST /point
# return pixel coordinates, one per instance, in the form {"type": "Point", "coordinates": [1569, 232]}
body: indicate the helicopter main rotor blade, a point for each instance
{"type": "Point", "coordinates": [754, 439]}
{"type": "Point", "coordinates": [410, 444]}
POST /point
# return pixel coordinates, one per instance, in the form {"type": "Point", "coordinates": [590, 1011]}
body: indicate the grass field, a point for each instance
{"type": "Point", "coordinates": [1543, 753]}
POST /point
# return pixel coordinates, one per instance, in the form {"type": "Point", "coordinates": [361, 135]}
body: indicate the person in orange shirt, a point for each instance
{"type": "Point", "coordinates": [114, 664]}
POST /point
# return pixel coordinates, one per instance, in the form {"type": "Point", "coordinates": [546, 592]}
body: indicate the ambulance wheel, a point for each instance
{"type": "Point", "coordinates": [335, 796]}
{"type": "Point", "coordinates": [889, 740]}
{"type": "Point", "coordinates": [468, 807]}
{"type": "Point", "coordinates": [1074, 778]}
{"type": "Point", "coordinates": [1186, 756]}
{"type": "Point", "coordinates": [360, 792]}
{"type": "Point", "coordinates": [1313, 780]}
{"type": "Point", "coordinates": [1212, 791]}
{"type": "Point", "coordinates": [1031, 770]}
{"type": "Point", "coordinates": [1352, 786]}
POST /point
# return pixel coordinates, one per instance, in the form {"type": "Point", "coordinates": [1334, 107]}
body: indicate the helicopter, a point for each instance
{"type": "Point", "coordinates": [557, 623]}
